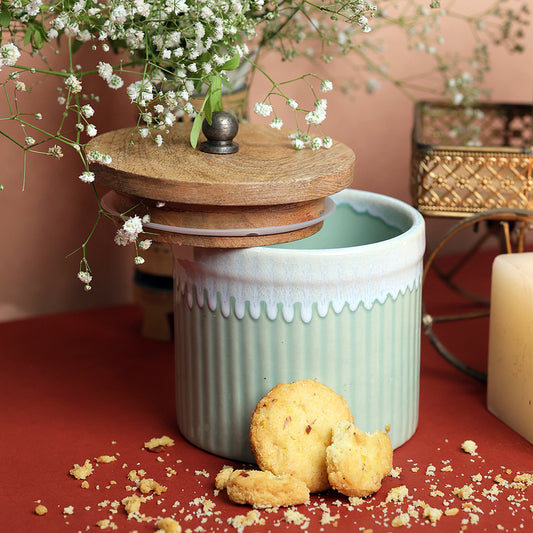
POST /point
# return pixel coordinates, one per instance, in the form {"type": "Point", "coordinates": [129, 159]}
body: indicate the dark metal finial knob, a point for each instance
{"type": "Point", "coordinates": [220, 134]}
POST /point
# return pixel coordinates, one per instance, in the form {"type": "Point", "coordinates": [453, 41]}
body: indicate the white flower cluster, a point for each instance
{"type": "Point", "coordinates": [9, 55]}
{"type": "Point", "coordinates": [129, 233]}
{"type": "Point", "coordinates": [170, 51]}
{"type": "Point", "coordinates": [130, 230]}
{"type": "Point", "coordinates": [85, 277]}
{"type": "Point", "coordinates": [301, 140]}
{"type": "Point", "coordinates": [315, 117]}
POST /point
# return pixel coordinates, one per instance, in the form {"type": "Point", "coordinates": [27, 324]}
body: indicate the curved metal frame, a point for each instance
{"type": "Point", "coordinates": [504, 217]}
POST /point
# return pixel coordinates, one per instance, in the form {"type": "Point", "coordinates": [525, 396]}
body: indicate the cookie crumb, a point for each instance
{"type": "Point", "coordinates": [451, 512]}
{"type": "Point", "coordinates": [395, 472]}
{"type": "Point", "coordinates": [156, 444]}
{"type": "Point", "coordinates": [400, 520]}
{"type": "Point", "coordinates": [132, 504]}
{"type": "Point", "coordinates": [356, 500]}
{"type": "Point", "coordinates": [148, 485]}
{"type": "Point", "coordinates": [40, 510]}
{"type": "Point", "coordinates": [464, 493]}
{"type": "Point", "coordinates": [295, 517]}
{"type": "Point", "coordinates": [83, 471]}
{"type": "Point", "coordinates": [169, 525]}
{"type": "Point", "coordinates": [106, 459]}
{"type": "Point", "coordinates": [432, 514]}
{"type": "Point", "coordinates": [469, 446]}
{"type": "Point", "coordinates": [106, 523]}
{"type": "Point", "coordinates": [253, 518]}
{"type": "Point", "coordinates": [397, 494]}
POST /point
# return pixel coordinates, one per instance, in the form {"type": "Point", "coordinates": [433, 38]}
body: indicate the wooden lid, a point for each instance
{"type": "Point", "coordinates": [266, 175]}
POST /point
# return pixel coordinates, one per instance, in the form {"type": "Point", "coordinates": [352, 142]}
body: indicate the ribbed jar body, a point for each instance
{"type": "Point", "coordinates": [342, 306]}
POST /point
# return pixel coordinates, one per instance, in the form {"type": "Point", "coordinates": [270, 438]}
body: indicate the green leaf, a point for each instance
{"type": "Point", "coordinates": [38, 39]}
{"type": "Point", "coordinates": [76, 45]}
{"type": "Point", "coordinates": [198, 86]}
{"type": "Point", "coordinates": [233, 63]}
{"type": "Point", "coordinates": [208, 109]}
{"type": "Point", "coordinates": [28, 35]}
{"type": "Point", "coordinates": [196, 129]}
{"type": "Point", "coordinates": [5, 16]}
{"type": "Point", "coordinates": [226, 83]}
{"type": "Point", "coordinates": [215, 94]}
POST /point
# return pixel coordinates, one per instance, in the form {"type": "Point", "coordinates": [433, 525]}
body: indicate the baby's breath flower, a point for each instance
{"type": "Point", "coordinates": [276, 123]}
{"type": "Point", "coordinates": [73, 84]}
{"type": "Point", "coordinates": [316, 116]}
{"type": "Point", "coordinates": [85, 277]}
{"type": "Point", "coordinates": [91, 130]}
{"type": "Point", "coordinates": [292, 103]}
{"type": "Point", "coordinates": [122, 238]}
{"type": "Point", "coordinates": [298, 144]}
{"type": "Point", "coordinates": [316, 143]}
{"type": "Point", "coordinates": [87, 176]}
{"type": "Point", "coordinates": [115, 82]}
{"type": "Point", "coordinates": [263, 109]}
{"type": "Point", "coordinates": [29, 141]}
{"type": "Point", "coordinates": [56, 151]}
{"type": "Point", "coordinates": [144, 245]}
{"type": "Point", "coordinates": [326, 86]}
{"type": "Point", "coordinates": [87, 111]}
{"type": "Point", "coordinates": [105, 70]}
{"type": "Point", "coordinates": [133, 225]}
{"type": "Point", "coordinates": [9, 55]}
{"type": "Point", "coordinates": [139, 260]}
{"type": "Point", "coordinates": [327, 142]}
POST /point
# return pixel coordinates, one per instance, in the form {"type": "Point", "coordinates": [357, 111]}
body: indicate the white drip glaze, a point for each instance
{"type": "Point", "coordinates": [241, 281]}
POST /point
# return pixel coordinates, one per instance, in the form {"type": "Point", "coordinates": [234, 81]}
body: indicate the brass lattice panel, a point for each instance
{"type": "Point", "coordinates": [465, 160]}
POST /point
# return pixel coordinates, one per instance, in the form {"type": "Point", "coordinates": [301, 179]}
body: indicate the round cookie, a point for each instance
{"type": "Point", "coordinates": [357, 461]}
{"type": "Point", "coordinates": [291, 428]}
{"type": "Point", "coordinates": [264, 489]}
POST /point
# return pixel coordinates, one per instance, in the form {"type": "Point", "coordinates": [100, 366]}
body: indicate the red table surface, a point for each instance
{"type": "Point", "coordinates": [83, 384]}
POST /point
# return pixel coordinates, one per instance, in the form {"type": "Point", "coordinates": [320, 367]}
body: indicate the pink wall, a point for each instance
{"type": "Point", "coordinates": [52, 217]}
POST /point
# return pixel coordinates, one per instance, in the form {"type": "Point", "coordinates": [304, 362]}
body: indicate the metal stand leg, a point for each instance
{"type": "Point", "coordinates": [504, 219]}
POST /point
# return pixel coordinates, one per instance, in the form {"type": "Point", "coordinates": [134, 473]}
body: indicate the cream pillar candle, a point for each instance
{"type": "Point", "coordinates": [510, 368]}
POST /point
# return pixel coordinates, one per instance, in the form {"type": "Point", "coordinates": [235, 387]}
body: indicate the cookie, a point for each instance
{"type": "Point", "coordinates": [291, 429]}
{"type": "Point", "coordinates": [264, 489]}
{"type": "Point", "coordinates": [357, 461]}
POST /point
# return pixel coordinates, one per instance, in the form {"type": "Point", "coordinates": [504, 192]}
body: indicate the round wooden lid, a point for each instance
{"type": "Point", "coordinates": [266, 175]}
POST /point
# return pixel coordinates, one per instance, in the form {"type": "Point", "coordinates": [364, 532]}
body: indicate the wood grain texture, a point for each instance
{"type": "Point", "coordinates": [247, 241]}
{"type": "Point", "coordinates": [218, 217]}
{"type": "Point", "coordinates": [206, 217]}
{"type": "Point", "coordinates": [267, 170]}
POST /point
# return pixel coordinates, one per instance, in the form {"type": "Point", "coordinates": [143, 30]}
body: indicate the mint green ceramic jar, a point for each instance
{"type": "Point", "coordinates": [342, 306]}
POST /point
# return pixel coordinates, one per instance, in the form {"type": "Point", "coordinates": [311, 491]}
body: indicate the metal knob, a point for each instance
{"type": "Point", "coordinates": [220, 134]}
